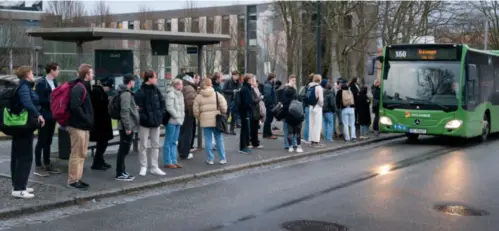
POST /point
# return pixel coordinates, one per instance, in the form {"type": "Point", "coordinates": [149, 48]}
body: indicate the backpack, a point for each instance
{"type": "Point", "coordinates": [59, 99]}
{"type": "Point", "coordinates": [296, 109]}
{"type": "Point", "coordinates": [347, 98]}
{"type": "Point", "coordinates": [311, 99]}
{"type": "Point", "coordinates": [114, 107]}
{"type": "Point", "coordinates": [14, 120]}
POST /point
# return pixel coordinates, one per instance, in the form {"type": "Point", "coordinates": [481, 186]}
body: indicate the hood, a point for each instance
{"type": "Point", "coordinates": [207, 92]}
{"type": "Point", "coordinates": [187, 82]}
{"type": "Point", "coordinates": [269, 82]}
{"type": "Point", "coordinates": [122, 87]}
{"type": "Point", "coordinates": [312, 84]}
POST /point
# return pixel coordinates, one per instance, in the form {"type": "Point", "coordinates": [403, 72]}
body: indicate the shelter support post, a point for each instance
{"type": "Point", "coordinates": [200, 73]}
{"type": "Point", "coordinates": [79, 53]}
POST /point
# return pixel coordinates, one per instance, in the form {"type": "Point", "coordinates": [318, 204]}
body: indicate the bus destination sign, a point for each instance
{"type": "Point", "coordinates": [414, 53]}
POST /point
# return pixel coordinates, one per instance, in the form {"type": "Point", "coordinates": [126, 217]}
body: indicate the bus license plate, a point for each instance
{"type": "Point", "coordinates": [417, 131]}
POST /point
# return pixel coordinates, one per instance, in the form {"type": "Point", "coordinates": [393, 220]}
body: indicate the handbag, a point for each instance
{"type": "Point", "coordinates": [221, 120]}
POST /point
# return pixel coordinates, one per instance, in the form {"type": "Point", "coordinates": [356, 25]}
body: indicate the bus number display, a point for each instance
{"type": "Point", "coordinates": [411, 53]}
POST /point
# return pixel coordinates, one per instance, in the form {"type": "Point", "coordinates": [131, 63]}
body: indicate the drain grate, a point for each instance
{"type": "Point", "coordinates": [307, 225]}
{"type": "Point", "coordinates": [460, 210]}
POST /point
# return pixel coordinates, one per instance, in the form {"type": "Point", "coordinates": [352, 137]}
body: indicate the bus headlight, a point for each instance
{"type": "Point", "coordinates": [453, 124]}
{"type": "Point", "coordinates": [385, 120]}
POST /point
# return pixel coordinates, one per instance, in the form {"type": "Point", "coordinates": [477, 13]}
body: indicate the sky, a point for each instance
{"type": "Point", "coordinates": [129, 6]}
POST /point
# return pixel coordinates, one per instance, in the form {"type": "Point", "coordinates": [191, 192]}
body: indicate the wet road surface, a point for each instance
{"type": "Point", "coordinates": [390, 187]}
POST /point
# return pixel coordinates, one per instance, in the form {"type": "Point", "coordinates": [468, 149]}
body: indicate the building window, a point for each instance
{"type": "Point", "coordinates": [210, 25]}
{"type": "Point", "coordinates": [225, 25]}
{"type": "Point", "coordinates": [130, 25]}
{"type": "Point", "coordinates": [195, 25]}
{"type": "Point", "coordinates": [168, 25]}
{"type": "Point", "coordinates": [181, 25]}
{"type": "Point", "coordinates": [252, 12]}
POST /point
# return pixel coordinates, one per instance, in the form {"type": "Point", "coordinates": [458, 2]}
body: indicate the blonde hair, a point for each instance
{"type": "Point", "coordinates": [83, 70]}
{"type": "Point", "coordinates": [317, 78]}
{"type": "Point", "coordinates": [176, 82]}
{"type": "Point", "coordinates": [23, 71]}
{"type": "Point", "coordinates": [206, 83]}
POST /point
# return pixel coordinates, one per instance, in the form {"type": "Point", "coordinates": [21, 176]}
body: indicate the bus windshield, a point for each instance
{"type": "Point", "coordinates": [432, 85]}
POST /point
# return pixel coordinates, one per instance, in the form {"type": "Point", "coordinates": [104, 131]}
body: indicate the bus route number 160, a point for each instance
{"type": "Point", "coordinates": [400, 54]}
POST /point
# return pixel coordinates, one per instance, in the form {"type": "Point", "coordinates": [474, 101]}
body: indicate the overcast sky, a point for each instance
{"type": "Point", "coordinates": [126, 6]}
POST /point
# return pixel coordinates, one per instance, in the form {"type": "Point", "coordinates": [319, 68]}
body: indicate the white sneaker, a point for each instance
{"type": "Point", "coordinates": [291, 149]}
{"type": "Point", "coordinates": [157, 171]}
{"type": "Point", "coordinates": [30, 190]}
{"type": "Point", "coordinates": [22, 194]}
{"type": "Point", "coordinates": [210, 162]}
{"type": "Point", "coordinates": [222, 162]}
{"type": "Point", "coordinates": [190, 156]}
{"type": "Point", "coordinates": [299, 149]}
{"type": "Point", "coordinates": [143, 171]}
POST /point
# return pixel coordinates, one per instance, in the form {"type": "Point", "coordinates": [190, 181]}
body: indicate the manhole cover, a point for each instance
{"type": "Point", "coordinates": [460, 210]}
{"type": "Point", "coordinates": [306, 225]}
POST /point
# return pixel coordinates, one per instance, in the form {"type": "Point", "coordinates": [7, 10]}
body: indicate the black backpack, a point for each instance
{"type": "Point", "coordinates": [14, 119]}
{"type": "Point", "coordinates": [114, 107]}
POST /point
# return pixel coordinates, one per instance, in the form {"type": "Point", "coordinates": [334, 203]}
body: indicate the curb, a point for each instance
{"type": "Point", "coordinates": [79, 198]}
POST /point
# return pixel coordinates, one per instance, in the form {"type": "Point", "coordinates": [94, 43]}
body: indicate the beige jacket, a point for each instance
{"type": "Point", "coordinates": [205, 107]}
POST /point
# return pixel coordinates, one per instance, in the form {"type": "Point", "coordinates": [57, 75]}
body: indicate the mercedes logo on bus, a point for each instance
{"type": "Point", "coordinates": [417, 121]}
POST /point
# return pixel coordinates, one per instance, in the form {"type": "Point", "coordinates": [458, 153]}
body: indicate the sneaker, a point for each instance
{"type": "Point", "coordinates": [83, 183]}
{"type": "Point", "coordinates": [299, 149]}
{"type": "Point", "coordinates": [99, 167]}
{"type": "Point", "coordinates": [22, 194]}
{"type": "Point", "coordinates": [222, 162]}
{"type": "Point", "coordinates": [193, 149]}
{"type": "Point", "coordinates": [157, 171]}
{"type": "Point", "coordinates": [245, 151]}
{"type": "Point", "coordinates": [354, 140]}
{"type": "Point", "coordinates": [124, 177]}
{"type": "Point", "coordinates": [52, 170]}
{"type": "Point", "coordinates": [259, 147]}
{"type": "Point", "coordinates": [172, 166]}
{"type": "Point", "coordinates": [30, 190]}
{"type": "Point", "coordinates": [78, 185]}
{"type": "Point", "coordinates": [190, 156]}
{"type": "Point", "coordinates": [40, 171]}
{"type": "Point", "coordinates": [143, 171]}
{"type": "Point", "coordinates": [210, 162]}
{"type": "Point", "coordinates": [178, 165]}
{"type": "Point", "coordinates": [107, 165]}
{"type": "Point", "coordinates": [291, 149]}
{"type": "Point", "coordinates": [305, 141]}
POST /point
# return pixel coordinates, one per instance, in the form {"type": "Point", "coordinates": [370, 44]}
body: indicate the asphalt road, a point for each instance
{"type": "Point", "coordinates": [390, 187]}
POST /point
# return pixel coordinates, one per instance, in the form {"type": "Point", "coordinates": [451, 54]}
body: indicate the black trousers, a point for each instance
{"type": "Point", "coordinates": [244, 137]}
{"type": "Point", "coordinates": [269, 117]}
{"type": "Point", "coordinates": [21, 161]}
{"type": "Point", "coordinates": [186, 135]}
{"type": "Point", "coordinates": [44, 142]}
{"type": "Point", "coordinates": [294, 130]}
{"type": "Point", "coordinates": [376, 120]}
{"type": "Point", "coordinates": [254, 124]}
{"type": "Point", "coordinates": [193, 132]}
{"type": "Point", "coordinates": [123, 150]}
{"type": "Point", "coordinates": [100, 149]}
{"type": "Point", "coordinates": [233, 120]}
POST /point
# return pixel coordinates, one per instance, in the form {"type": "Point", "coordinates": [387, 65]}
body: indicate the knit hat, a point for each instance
{"type": "Point", "coordinates": [188, 79]}
{"type": "Point", "coordinates": [324, 83]}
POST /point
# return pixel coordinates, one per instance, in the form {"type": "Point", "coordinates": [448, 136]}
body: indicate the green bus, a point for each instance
{"type": "Point", "coordinates": [438, 89]}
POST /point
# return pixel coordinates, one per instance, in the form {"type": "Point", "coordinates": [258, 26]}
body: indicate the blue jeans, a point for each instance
{"type": "Point", "coordinates": [307, 121]}
{"type": "Point", "coordinates": [364, 129]}
{"type": "Point", "coordinates": [208, 134]}
{"type": "Point", "coordinates": [285, 133]}
{"type": "Point", "coordinates": [348, 118]}
{"type": "Point", "coordinates": [328, 125]}
{"type": "Point", "coordinates": [170, 145]}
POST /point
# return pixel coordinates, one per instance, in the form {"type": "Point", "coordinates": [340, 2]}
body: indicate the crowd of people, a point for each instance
{"type": "Point", "coordinates": [185, 102]}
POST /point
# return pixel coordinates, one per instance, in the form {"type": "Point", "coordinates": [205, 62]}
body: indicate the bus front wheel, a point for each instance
{"type": "Point", "coordinates": [412, 137]}
{"type": "Point", "coordinates": [485, 128]}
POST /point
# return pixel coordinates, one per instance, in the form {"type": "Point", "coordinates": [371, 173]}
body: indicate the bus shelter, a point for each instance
{"type": "Point", "coordinates": [160, 42]}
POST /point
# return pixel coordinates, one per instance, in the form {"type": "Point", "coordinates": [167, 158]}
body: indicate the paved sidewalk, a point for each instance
{"type": "Point", "coordinates": [51, 192]}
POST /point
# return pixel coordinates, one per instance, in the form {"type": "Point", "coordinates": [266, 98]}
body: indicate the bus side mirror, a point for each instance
{"type": "Point", "coordinates": [472, 75]}
{"type": "Point", "coordinates": [372, 65]}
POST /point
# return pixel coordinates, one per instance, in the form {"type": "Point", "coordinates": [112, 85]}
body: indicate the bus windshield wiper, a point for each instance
{"type": "Point", "coordinates": [444, 108]}
{"type": "Point", "coordinates": [392, 106]}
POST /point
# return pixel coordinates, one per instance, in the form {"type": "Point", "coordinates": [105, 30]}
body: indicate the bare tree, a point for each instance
{"type": "Point", "coordinates": [64, 14]}
{"type": "Point", "coordinates": [102, 14]}
{"type": "Point", "coordinates": [144, 47]}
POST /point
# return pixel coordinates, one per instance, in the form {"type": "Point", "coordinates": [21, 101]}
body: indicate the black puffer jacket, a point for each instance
{"type": "Point", "coordinates": [151, 104]}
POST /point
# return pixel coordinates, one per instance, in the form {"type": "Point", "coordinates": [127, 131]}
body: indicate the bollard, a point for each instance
{"type": "Point", "coordinates": [64, 143]}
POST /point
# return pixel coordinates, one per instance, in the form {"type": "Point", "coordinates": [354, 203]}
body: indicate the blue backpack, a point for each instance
{"type": "Point", "coordinates": [310, 99]}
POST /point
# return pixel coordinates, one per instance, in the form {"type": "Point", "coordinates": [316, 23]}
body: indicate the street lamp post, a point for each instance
{"type": "Point", "coordinates": [318, 38]}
